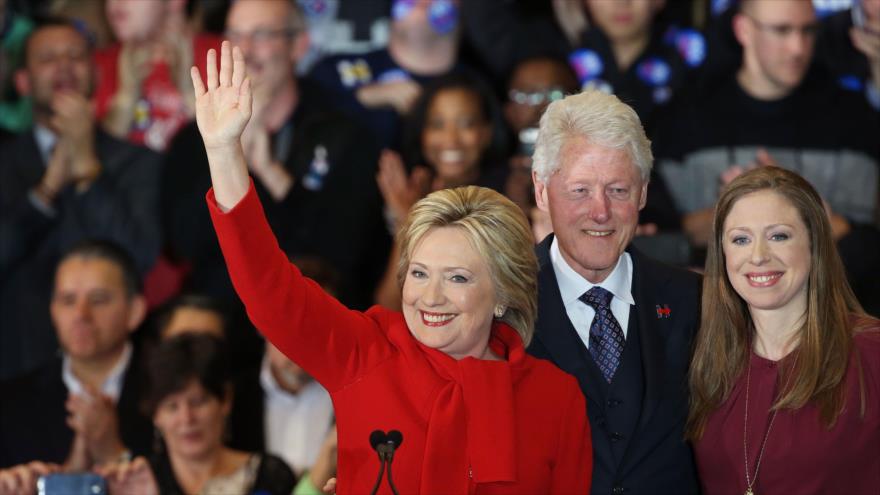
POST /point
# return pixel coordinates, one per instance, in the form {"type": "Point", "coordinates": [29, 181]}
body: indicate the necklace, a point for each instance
{"type": "Point", "coordinates": [750, 481]}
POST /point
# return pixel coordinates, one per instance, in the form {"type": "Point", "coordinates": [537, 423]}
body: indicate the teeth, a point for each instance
{"type": "Point", "coordinates": [599, 233]}
{"type": "Point", "coordinates": [437, 318]}
{"type": "Point", "coordinates": [763, 278]}
{"type": "Point", "coordinates": [451, 155]}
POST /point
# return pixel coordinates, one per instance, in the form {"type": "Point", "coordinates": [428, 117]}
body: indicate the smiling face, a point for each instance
{"type": "Point", "coordinates": [455, 136]}
{"type": "Point", "coordinates": [448, 295]}
{"type": "Point", "coordinates": [767, 252]}
{"type": "Point", "coordinates": [192, 421]}
{"type": "Point", "coordinates": [593, 198]}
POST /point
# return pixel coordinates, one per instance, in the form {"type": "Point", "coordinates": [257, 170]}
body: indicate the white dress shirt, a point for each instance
{"type": "Point", "coordinates": [295, 424]}
{"type": "Point", "coordinates": [572, 286]}
{"type": "Point", "coordinates": [112, 386]}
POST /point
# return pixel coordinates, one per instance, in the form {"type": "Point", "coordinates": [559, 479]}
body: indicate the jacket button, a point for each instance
{"type": "Point", "coordinates": [617, 490]}
{"type": "Point", "coordinates": [614, 403]}
{"type": "Point", "coordinates": [616, 437]}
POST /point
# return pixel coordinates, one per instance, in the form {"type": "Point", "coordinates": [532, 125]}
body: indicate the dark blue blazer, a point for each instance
{"type": "Point", "coordinates": [657, 459]}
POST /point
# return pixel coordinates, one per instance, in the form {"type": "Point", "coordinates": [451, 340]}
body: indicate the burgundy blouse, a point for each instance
{"type": "Point", "coordinates": [800, 456]}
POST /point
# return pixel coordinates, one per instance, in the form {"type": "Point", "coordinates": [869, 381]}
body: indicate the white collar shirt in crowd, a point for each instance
{"type": "Point", "coordinates": [572, 286]}
{"type": "Point", "coordinates": [295, 424]}
{"type": "Point", "coordinates": [112, 386]}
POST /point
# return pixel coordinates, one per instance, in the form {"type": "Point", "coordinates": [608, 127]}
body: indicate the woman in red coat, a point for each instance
{"type": "Point", "coordinates": [450, 373]}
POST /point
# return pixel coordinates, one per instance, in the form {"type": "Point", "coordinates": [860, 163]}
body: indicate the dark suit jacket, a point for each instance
{"type": "Point", "coordinates": [657, 459]}
{"type": "Point", "coordinates": [33, 417]}
{"type": "Point", "coordinates": [120, 205]}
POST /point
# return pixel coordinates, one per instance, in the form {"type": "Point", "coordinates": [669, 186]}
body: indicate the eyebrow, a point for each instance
{"type": "Point", "coordinates": [445, 268]}
{"type": "Point", "coordinates": [769, 227]}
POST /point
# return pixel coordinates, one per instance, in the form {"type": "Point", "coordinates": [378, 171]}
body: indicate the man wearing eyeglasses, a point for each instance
{"type": "Point", "coordinates": [313, 169]}
{"type": "Point", "coordinates": [779, 109]}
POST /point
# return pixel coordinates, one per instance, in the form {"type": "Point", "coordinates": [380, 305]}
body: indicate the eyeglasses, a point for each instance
{"type": "Point", "coordinates": [535, 98]}
{"type": "Point", "coordinates": [258, 35]}
{"type": "Point", "coordinates": [783, 31]}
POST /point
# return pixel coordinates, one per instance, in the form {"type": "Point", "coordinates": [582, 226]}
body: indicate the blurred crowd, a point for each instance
{"type": "Point", "coordinates": [121, 337]}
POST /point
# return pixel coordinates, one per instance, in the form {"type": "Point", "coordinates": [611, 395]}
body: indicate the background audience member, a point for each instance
{"type": "Point", "coordinates": [775, 112]}
{"type": "Point", "coordinates": [533, 84]}
{"type": "Point", "coordinates": [453, 138]}
{"type": "Point", "coordinates": [314, 171]}
{"type": "Point", "coordinates": [379, 87]}
{"type": "Point", "coordinates": [82, 407]}
{"type": "Point", "coordinates": [192, 313]}
{"type": "Point", "coordinates": [781, 327]}
{"type": "Point", "coordinates": [61, 181]}
{"type": "Point", "coordinates": [339, 27]}
{"type": "Point", "coordinates": [189, 400]}
{"type": "Point", "coordinates": [849, 46]}
{"type": "Point", "coordinates": [143, 92]}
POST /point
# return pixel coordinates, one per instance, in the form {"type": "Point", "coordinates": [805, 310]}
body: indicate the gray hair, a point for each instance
{"type": "Point", "coordinates": [599, 117]}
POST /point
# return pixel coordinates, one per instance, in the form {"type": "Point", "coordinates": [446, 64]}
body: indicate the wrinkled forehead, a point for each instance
{"type": "Point", "coordinates": [582, 158]}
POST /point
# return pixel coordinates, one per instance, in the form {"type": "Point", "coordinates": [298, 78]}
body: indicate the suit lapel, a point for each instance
{"type": "Point", "coordinates": [555, 331]}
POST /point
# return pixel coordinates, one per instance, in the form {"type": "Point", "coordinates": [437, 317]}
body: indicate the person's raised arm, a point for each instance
{"type": "Point", "coordinates": [223, 108]}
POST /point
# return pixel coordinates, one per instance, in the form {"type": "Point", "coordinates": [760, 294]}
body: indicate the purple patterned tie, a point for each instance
{"type": "Point", "coordinates": [606, 336]}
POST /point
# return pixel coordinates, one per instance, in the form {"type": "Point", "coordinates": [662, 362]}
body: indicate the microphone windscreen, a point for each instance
{"type": "Point", "coordinates": [395, 437]}
{"type": "Point", "coordinates": [377, 437]}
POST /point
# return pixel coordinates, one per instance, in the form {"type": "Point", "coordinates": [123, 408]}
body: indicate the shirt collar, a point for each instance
{"type": "Point", "coordinates": [46, 140]}
{"type": "Point", "coordinates": [572, 285]}
{"type": "Point", "coordinates": [112, 386]}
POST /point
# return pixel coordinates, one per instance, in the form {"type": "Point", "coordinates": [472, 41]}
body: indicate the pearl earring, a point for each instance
{"type": "Point", "coordinates": [499, 311]}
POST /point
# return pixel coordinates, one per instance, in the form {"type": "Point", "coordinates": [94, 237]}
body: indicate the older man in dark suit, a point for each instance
{"type": "Point", "coordinates": [621, 323]}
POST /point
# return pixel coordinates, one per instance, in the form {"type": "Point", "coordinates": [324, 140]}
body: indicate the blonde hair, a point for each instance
{"type": "Point", "coordinates": [599, 117]}
{"type": "Point", "coordinates": [818, 373]}
{"type": "Point", "coordinates": [498, 230]}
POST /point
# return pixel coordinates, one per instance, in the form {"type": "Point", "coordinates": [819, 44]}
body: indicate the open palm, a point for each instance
{"type": "Point", "coordinates": [223, 108]}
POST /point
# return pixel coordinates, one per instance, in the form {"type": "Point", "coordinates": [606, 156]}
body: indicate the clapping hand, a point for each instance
{"type": "Point", "coordinates": [129, 478]}
{"type": "Point", "coordinates": [22, 479]}
{"type": "Point", "coordinates": [399, 190]}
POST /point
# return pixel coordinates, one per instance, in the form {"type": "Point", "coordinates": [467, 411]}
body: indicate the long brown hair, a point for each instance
{"type": "Point", "coordinates": [825, 338]}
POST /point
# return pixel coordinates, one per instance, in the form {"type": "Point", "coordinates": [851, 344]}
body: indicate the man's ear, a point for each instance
{"type": "Point", "coordinates": [541, 199]}
{"type": "Point", "coordinates": [137, 312]}
{"type": "Point", "coordinates": [644, 193]}
{"type": "Point", "coordinates": [300, 46]}
{"type": "Point", "coordinates": [22, 82]}
{"type": "Point", "coordinates": [742, 29]}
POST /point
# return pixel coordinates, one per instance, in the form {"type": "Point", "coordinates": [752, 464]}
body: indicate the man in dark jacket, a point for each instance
{"type": "Point", "coordinates": [621, 323]}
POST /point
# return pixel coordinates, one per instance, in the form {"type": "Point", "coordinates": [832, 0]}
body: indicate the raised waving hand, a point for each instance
{"type": "Point", "coordinates": [223, 108]}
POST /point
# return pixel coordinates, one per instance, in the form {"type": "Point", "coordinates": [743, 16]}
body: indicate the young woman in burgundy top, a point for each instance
{"type": "Point", "coordinates": [785, 379]}
{"type": "Point", "coordinates": [476, 413]}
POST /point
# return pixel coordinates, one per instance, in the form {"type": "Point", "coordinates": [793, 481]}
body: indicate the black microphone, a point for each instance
{"type": "Point", "coordinates": [385, 445]}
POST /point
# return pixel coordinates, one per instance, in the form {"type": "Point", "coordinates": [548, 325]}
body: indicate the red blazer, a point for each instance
{"type": "Point", "coordinates": [471, 426]}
